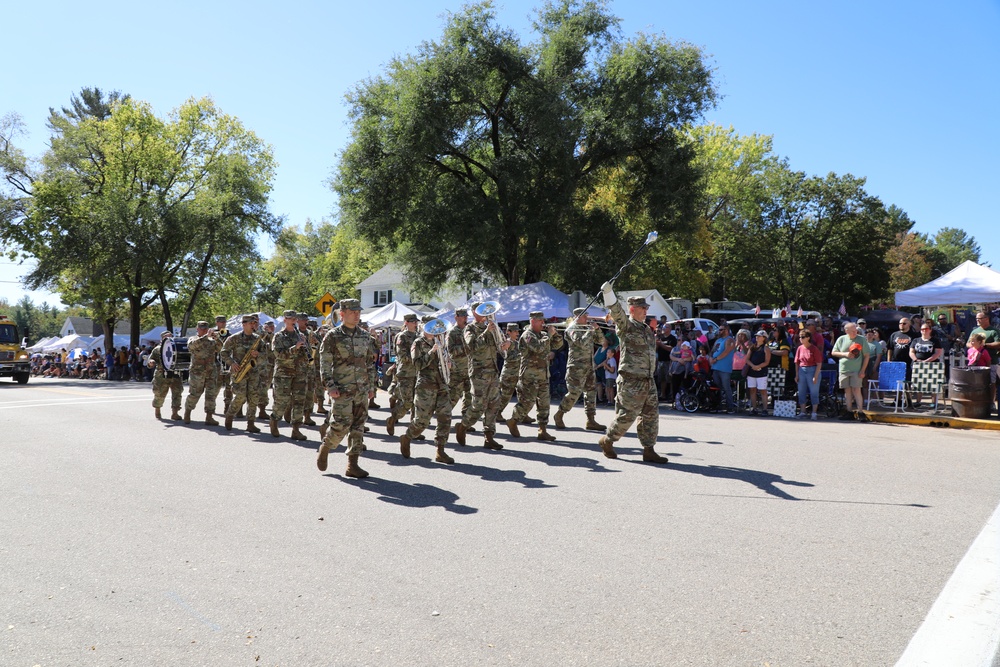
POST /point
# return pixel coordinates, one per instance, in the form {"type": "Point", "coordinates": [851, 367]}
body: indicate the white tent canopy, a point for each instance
{"type": "Point", "coordinates": [235, 323]}
{"type": "Point", "coordinates": [967, 283]}
{"type": "Point", "coordinates": [389, 315]}
{"type": "Point", "coordinates": [151, 337]}
{"type": "Point", "coordinates": [518, 301]}
{"type": "Point", "coordinates": [118, 340]}
{"type": "Point", "coordinates": [37, 347]}
{"type": "Point", "coordinates": [658, 306]}
{"type": "Point", "coordinates": [67, 343]}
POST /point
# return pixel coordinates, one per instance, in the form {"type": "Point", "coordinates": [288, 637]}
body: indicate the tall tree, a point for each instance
{"type": "Point", "coordinates": [477, 156]}
{"type": "Point", "coordinates": [956, 246]}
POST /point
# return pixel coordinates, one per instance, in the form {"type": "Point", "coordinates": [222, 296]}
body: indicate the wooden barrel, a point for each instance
{"type": "Point", "coordinates": [970, 392]}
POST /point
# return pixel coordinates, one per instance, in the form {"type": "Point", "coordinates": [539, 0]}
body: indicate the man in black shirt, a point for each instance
{"type": "Point", "coordinates": [665, 342]}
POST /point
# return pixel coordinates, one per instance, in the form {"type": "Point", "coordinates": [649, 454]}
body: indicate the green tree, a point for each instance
{"type": "Point", "coordinates": [956, 247]}
{"type": "Point", "coordinates": [476, 157]}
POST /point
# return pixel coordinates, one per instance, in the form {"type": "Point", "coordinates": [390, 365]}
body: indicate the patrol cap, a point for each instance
{"type": "Point", "coordinates": [255, 316]}
{"type": "Point", "coordinates": [536, 315]}
{"type": "Point", "coordinates": [220, 318]}
{"type": "Point", "coordinates": [302, 316]}
{"type": "Point", "coordinates": [246, 318]}
{"type": "Point", "coordinates": [350, 304]}
{"type": "Point", "coordinates": [461, 312]}
{"type": "Point", "coordinates": [410, 317]}
{"type": "Point", "coordinates": [427, 318]}
{"type": "Point", "coordinates": [474, 304]}
{"type": "Point", "coordinates": [165, 334]}
{"type": "Point", "coordinates": [639, 301]}
{"type": "Point", "coordinates": [289, 314]}
{"type": "Point", "coordinates": [513, 326]}
{"type": "Point", "coordinates": [202, 324]}
{"type": "Point", "coordinates": [577, 312]}
{"type": "Point", "coordinates": [269, 323]}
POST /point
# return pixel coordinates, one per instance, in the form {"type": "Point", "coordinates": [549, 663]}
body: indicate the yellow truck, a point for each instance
{"type": "Point", "coordinates": [14, 359]}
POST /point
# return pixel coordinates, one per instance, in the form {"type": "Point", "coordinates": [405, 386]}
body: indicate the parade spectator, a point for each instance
{"type": "Point", "coordinates": [599, 371]}
{"type": "Point", "coordinates": [758, 359]}
{"type": "Point", "coordinates": [899, 344]}
{"type": "Point", "coordinates": [722, 365]}
{"type": "Point", "coordinates": [109, 363]}
{"type": "Point", "coordinates": [851, 349]}
{"type": "Point", "coordinates": [610, 375]}
{"type": "Point", "coordinates": [666, 341]}
{"type": "Point", "coordinates": [781, 356]}
{"type": "Point", "coordinates": [808, 363]}
{"type": "Point", "coordinates": [703, 363]}
{"type": "Point", "coordinates": [947, 332]}
{"type": "Point", "coordinates": [977, 355]}
{"type": "Point", "coordinates": [681, 368]}
{"type": "Point", "coordinates": [991, 343]}
{"type": "Point", "coordinates": [927, 348]}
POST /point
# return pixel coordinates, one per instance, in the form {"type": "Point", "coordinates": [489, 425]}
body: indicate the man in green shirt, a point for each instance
{"type": "Point", "coordinates": [853, 352]}
{"type": "Point", "coordinates": [992, 345]}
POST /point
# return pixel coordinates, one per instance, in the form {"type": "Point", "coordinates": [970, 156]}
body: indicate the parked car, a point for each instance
{"type": "Point", "coordinates": [706, 326]}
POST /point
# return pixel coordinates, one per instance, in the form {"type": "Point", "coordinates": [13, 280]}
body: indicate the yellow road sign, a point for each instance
{"type": "Point", "coordinates": [325, 304]}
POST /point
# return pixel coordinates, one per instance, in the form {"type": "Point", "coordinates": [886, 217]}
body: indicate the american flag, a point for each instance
{"type": "Point", "coordinates": [756, 310]}
{"type": "Point", "coordinates": [800, 313]}
{"type": "Point", "coordinates": [843, 309]}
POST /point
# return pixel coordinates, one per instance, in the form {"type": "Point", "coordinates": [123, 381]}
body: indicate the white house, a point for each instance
{"type": "Point", "coordinates": [84, 326]}
{"type": "Point", "coordinates": [388, 284]}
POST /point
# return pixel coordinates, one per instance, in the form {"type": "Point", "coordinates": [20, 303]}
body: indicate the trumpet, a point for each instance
{"type": "Point", "coordinates": [439, 329]}
{"type": "Point", "coordinates": [488, 309]}
{"type": "Point", "coordinates": [601, 324]}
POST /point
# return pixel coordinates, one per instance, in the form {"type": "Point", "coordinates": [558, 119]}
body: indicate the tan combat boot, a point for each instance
{"type": "Point", "coordinates": [261, 412]}
{"type": "Point", "coordinates": [353, 469]}
{"type": "Point", "coordinates": [210, 420]}
{"type": "Point", "coordinates": [650, 456]}
{"type": "Point", "coordinates": [297, 434]}
{"type": "Point", "coordinates": [592, 424]}
{"type": "Point", "coordinates": [324, 451]}
{"type": "Point", "coordinates": [608, 447]}
{"type": "Point", "coordinates": [156, 411]}
{"type": "Point", "coordinates": [390, 425]}
{"type": "Point", "coordinates": [251, 427]}
{"type": "Point", "coordinates": [490, 443]}
{"type": "Point", "coordinates": [175, 414]}
{"type": "Point", "coordinates": [460, 431]}
{"type": "Point", "coordinates": [557, 419]}
{"type": "Point", "coordinates": [512, 427]}
{"type": "Point", "coordinates": [544, 435]}
{"type": "Point", "coordinates": [273, 424]}
{"type": "Point", "coordinates": [307, 420]}
{"type": "Point", "coordinates": [404, 445]}
{"type": "Point", "coordinates": [187, 416]}
{"type": "Point", "coordinates": [229, 422]}
{"type": "Point", "coordinates": [442, 457]}
{"type": "Point", "coordinates": [287, 416]}
{"type": "Point", "coordinates": [322, 429]}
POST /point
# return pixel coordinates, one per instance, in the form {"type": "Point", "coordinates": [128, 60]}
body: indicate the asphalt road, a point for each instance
{"type": "Point", "coordinates": [129, 541]}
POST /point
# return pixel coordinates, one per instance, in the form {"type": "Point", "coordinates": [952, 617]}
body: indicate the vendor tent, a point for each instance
{"type": "Point", "coordinates": [235, 323]}
{"type": "Point", "coordinates": [67, 343]}
{"type": "Point", "coordinates": [966, 283]}
{"type": "Point", "coordinates": [151, 337]}
{"type": "Point", "coordinates": [37, 347]}
{"type": "Point", "coordinates": [657, 304]}
{"type": "Point", "coordinates": [118, 340]}
{"type": "Point", "coordinates": [389, 315]}
{"type": "Point", "coordinates": [518, 301]}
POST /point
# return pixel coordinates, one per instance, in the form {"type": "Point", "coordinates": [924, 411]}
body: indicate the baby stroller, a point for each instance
{"type": "Point", "coordinates": [700, 393]}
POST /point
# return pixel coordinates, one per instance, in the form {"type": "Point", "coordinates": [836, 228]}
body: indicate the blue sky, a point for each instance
{"type": "Point", "coordinates": [906, 94]}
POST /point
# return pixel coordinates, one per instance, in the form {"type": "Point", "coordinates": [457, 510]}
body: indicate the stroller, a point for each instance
{"type": "Point", "coordinates": [700, 393]}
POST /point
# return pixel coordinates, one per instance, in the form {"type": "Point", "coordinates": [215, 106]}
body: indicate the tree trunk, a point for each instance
{"type": "Point", "coordinates": [168, 320]}
{"type": "Point", "coordinates": [199, 286]}
{"type": "Point", "coordinates": [135, 307]}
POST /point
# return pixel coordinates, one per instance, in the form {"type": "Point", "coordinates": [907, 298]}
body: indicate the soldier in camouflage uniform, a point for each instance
{"type": "Point", "coordinates": [485, 341]}
{"type": "Point", "coordinates": [348, 372]}
{"type": "Point", "coordinates": [459, 384]}
{"type": "Point", "coordinates": [406, 373]}
{"type": "Point", "coordinates": [430, 397]}
{"type": "Point", "coordinates": [511, 369]}
{"type": "Point", "coordinates": [243, 347]}
{"type": "Point", "coordinates": [533, 386]}
{"type": "Point", "coordinates": [291, 353]}
{"type": "Point", "coordinates": [312, 373]}
{"type": "Point", "coordinates": [164, 381]}
{"type": "Point", "coordinates": [203, 376]}
{"type": "Point", "coordinates": [267, 372]}
{"type": "Point", "coordinates": [223, 383]}
{"type": "Point", "coordinates": [637, 397]}
{"type": "Point", "coordinates": [580, 375]}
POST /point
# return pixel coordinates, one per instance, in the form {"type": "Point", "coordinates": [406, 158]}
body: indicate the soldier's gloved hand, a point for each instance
{"type": "Point", "coordinates": [609, 295]}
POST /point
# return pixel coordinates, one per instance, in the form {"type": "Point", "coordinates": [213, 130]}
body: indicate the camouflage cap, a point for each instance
{"type": "Point", "coordinates": [427, 318]}
{"type": "Point", "coordinates": [220, 318]}
{"type": "Point", "coordinates": [639, 301]}
{"type": "Point", "coordinates": [202, 324]}
{"type": "Point", "coordinates": [165, 334]}
{"type": "Point", "coordinates": [577, 312]}
{"type": "Point", "coordinates": [474, 304]}
{"type": "Point", "coordinates": [461, 312]}
{"type": "Point", "coordinates": [536, 315]}
{"type": "Point", "coordinates": [350, 304]}
{"type": "Point", "coordinates": [513, 326]}
{"type": "Point", "coordinates": [410, 317]}
{"type": "Point", "coordinates": [255, 317]}
{"type": "Point", "coordinates": [288, 314]}
{"type": "Point", "coordinates": [246, 318]}
{"type": "Point", "coordinates": [302, 316]}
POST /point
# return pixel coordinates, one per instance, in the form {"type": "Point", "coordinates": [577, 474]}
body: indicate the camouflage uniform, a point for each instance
{"type": "Point", "coordinates": [459, 385]}
{"type": "Point", "coordinates": [235, 350]}
{"type": "Point", "coordinates": [483, 346]}
{"type": "Point", "coordinates": [430, 393]}
{"type": "Point", "coordinates": [164, 381]}
{"type": "Point", "coordinates": [266, 375]}
{"type": "Point", "coordinates": [509, 373]}
{"type": "Point", "coordinates": [580, 375]}
{"type": "Point", "coordinates": [290, 367]}
{"type": "Point", "coordinates": [533, 387]}
{"type": "Point", "coordinates": [637, 397]}
{"type": "Point", "coordinates": [406, 374]}
{"type": "Point", "coordinates": [223, 381]}
{"type": "Point", "coordinates": [204, 373]}
{"type": "Point", "coordinates": [347, 365]}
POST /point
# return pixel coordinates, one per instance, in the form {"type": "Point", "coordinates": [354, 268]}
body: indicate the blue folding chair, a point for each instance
{"type": "Point", "coordinates": [891, 379]}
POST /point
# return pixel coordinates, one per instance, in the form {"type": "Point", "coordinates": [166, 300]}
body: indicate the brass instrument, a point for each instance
{"type": "Point", "coordinates": [248, 362]}
{"type": "Point", "coordinates": [439, 329]}
{"type": "Point", "coordinates": [488, 309]}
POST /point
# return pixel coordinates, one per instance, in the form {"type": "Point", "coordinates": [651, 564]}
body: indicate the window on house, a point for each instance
{"type": "Point", "coordinates": [382, 297]}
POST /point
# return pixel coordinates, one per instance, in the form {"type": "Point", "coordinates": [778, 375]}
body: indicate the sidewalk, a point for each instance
{"type": "Point", "coordinates": [928, 418]}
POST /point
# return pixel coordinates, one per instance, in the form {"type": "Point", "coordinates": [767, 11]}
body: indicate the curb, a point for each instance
{"type": "Point", "coordinates": [941, 421]}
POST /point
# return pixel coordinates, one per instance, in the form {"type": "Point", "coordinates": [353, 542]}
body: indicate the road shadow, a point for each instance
{"type": "Point", "coordinates": [408, 495]}
{"type": "Point", "coordinates": [461, 466]}
{"type": "Point", "coordinates": [555, 461]}
{"type": "Point", "coordinates": [765, 481]}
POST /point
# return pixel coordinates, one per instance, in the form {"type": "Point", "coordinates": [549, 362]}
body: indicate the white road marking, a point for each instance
{"type": "Point", "coordinates": [70, 402]}
{"type": "Point", "coordinates": [962, 628]}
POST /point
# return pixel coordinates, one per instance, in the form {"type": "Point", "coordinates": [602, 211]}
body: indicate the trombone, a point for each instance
{"type": "Point", "coordinates": [488, 309]}
{"type": "Point", "coordinates": [439, 329]}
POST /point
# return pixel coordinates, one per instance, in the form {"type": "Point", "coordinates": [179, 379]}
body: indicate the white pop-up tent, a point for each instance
{"type": "Point", "coordinates": [967, 283]}
{"type": "Point", "coordinates": [389, 315]}
{"type": "Point", "coordinates": [657, 304]}
{"type": "Point", "coordinates": [518, 301]}
{"type": "Point", "coordinates": [67, 343]}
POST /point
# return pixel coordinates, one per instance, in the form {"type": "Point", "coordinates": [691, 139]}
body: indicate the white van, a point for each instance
{"type": "Point", "coordinates": [706, 326]}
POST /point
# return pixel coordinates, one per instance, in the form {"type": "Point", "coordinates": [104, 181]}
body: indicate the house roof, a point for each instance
{"type": "Point", "coordinates": [389, 275]}
{"type": "Point", "coordinates": [82, 326]}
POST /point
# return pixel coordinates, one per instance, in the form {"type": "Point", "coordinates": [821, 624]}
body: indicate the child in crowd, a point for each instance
{"type": "Point", "coordinates": [702, 364]}
{"type": "Point", "coordinates": [977, 354]}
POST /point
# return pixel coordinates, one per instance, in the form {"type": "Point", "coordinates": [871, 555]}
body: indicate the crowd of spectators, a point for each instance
{"type": "Point", "coordinates": [121, 365]}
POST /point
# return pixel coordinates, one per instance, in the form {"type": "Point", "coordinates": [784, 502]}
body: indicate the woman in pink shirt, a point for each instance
{"type": "Point", "coordinates": [808, 363]}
